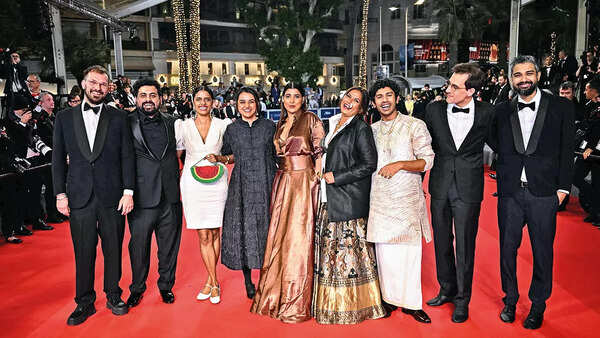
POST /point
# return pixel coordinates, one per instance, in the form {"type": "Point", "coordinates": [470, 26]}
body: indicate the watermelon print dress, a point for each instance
{"type": "Point", "coordinates": [203, 204]}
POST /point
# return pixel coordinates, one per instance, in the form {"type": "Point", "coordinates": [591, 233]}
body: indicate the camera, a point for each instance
{"type": "Point", "coordinates": [39, 146]}
{"type": "Point", "coordinates": [21, 165]}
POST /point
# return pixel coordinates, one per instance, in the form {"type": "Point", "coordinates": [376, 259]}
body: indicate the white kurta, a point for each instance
{"type": "Point", "coordinates": [203, 204]}
{"type": "Point", "coordinates": [398, 212]}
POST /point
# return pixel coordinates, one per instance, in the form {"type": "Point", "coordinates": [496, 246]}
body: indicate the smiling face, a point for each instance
{"type": "Point", "coordinates": [292, 100]}
{"type": "Point", "coordinates": [95, 86]}
{"type": "Point", "coordinates": [202, 103]}
{"type": "Point", "coordinates": [246, 105]}
{"type": "Point", "coordinates": [148, 100]}
{"type": "Point", "coordinates": [33, 83]}
{"type": "Point", "coordinates": [350, 103]}
{"type": "Point", "coordinates": [524, 79]}
{"type": "Point", "coordinates": [385, 101]}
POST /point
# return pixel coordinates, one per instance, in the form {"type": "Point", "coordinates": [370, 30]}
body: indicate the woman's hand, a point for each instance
{"type": "Point", "coordinates": [390, 170]}
{"type": "Point", "coordinates": [328, 176]}
{"type": "Point", "coordinates": [212, 158]}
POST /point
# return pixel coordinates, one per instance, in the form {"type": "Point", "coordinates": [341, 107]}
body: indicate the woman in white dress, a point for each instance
{"type": "Point", "coordinates": [203, 203]}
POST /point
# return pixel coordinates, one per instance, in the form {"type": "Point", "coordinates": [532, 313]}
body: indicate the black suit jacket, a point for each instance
{"type": "Point", "coordinates": [465, 165]}
{"type": "Point", "coordinates": [155, 173]}
{"type": "Point", "coordinates": [502, 94]}
{"type": "Point", "coordinates": [548, 158]}
{"type": "Point", "coordinates": [7, 73]}
{"type": "Point", "coordinates": [106, 171]}
{"type": "Point", "coordinates": [352, 157]}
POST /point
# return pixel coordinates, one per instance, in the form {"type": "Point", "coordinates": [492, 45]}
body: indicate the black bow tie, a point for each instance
{"type": "Point", "coordinates": [87, 107]}
{"type": "Point", "coordinates": [455, 109]}
{"type": "Point", "coordinates": [526, 105]}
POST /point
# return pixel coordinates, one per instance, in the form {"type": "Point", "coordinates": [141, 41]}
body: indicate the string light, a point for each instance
{"type": "Point", "coordinates": [553, 36]}
{"type": "Point", "coordinates": [181, 40]}
{"type": "Point", "coordinates": [195, 43]}
{"type": "Point", "coordinates": [362, 72]}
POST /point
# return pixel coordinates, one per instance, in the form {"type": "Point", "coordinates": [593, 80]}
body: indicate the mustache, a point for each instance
{"type": "Point", "coordinates": [525, 82]}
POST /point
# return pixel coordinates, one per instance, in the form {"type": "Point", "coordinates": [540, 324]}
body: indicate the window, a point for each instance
{"type": "Point", "coordinates": [259, 68]}
{"type": "Point", "coordinates": [397, 14]}
{"type": "Point", "coordinates": [210, 68]}
{"type": "Point", "coordinates": [224, 68]}
{"type": "Point", "coordinates": [246, 69]}
{"type": "Point", "coordinates": [418, 12]}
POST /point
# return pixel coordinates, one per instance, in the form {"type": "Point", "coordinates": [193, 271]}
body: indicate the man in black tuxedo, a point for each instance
{"type": "Point", "coordinates": [95, 189]}
{"type": "Point", "coordinates": [533, 136]}
{"type": "Point", "coordinates": [459, 128]}
{"type": "Point", "coordinates": [503, 90]}
{"type": "Point", "coordinates": [15, 74]}
{"type": "Point", "coordinates": [158, 206]}
{"type": "Point", "coordinates": [567, 66]}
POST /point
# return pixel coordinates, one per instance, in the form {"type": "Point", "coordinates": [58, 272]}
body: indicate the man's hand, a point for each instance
{"type": "Point", "coordinates": [125, 204]}
{"type": "Point", "coordinates": [26, 117]}
{"type": "Point", "coordinates": [561, 197]}
{"type": "Point", "coordinates": [587, 153]}
{"type": "Point", "coordinates": [328, 176]}
{"type": "Point", "coordinates": [62, 205]}
{"type": "Point", "coordinates": [390, 170]}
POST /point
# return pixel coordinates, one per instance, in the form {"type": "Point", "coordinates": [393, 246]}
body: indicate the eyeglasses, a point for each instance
{"type": "Point", "coordinates": [95, 83]}
{"type": "Point", "coordinates": [454, 87]}
{"type": "Point", "coordinates": [75, 101]}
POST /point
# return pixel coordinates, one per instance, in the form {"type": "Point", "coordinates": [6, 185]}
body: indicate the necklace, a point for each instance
{"type": "Point", "coordinates": [387, 138]}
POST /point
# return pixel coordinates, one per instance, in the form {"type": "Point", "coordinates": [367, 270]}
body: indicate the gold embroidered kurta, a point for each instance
{"type": "Point", "coordinates": [398, 210]}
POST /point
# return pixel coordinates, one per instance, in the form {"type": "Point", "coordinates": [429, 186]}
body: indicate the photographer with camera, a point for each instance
{"type": "Point", "coordinates": [587, 70]}
{"type": "Point", "coordinates": [15, 74]}
{"type": "Point", "coordinates": [8, 186]}
{"type": "Point", "coordinates": [588, 137]}
{"type": "Point", "coordinates": [31, 152]}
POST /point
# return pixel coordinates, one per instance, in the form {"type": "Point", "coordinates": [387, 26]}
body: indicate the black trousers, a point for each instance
{"type": "Point", "coordinates": [539, 213]}
{"type": "Point", "coordinates": [589, 192]}
{"type": "Point", "coordinates": [9, 205]}
{"type": "Point", "coordinates": [165, 221]}
{"type": "Point", "coordinates": [49, 196]}
{"type": "Point", "coordinates": [455, 271]}
{"type": "Point", "coordinates": [32, 209]}
{"type": "Point", "coordinates": [86, 224]}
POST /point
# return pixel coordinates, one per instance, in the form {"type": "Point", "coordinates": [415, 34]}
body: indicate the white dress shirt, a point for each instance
{"type": "Point", "coordinates": [460, 123]}
{"type": "Point", "coordinates": [90, 120]}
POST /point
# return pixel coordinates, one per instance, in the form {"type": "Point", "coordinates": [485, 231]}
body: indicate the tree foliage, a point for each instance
{"type": "Point", "coordinates": [82, 52]}
{"type": "Point", "coordinates": [286, 31]}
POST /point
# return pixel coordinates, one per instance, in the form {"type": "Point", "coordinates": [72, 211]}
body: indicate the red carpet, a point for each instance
{"type": "Point", "coordinates": [37, 287]}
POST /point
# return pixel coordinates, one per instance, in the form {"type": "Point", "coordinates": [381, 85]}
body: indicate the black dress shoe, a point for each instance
{"type": "Point", "coordinates": [534, 320]}
{"type": "Point", "coordinates": [418, 315]}
{"type": "Point", "coordinates": [167, 296]}
{"type": "Point", "coordinates": [389, 308]}
{"type": "Point", "coordinates": [250, 290]}
{"type": "Point", "coordinates": [134, 299]}
{"type": "Point", "coordinates": [23, 231]}
{"type": "Point", "coordinates": [117, 306]}
{"type": "Point", "coordinates": [39, 224]}
{"type": "Point", "coordinates": [508, 313]}
{"type": "Point", "coordinates": [460, 314]}
{"type": "Point", "coordinates": [81, 313]}
{"type": "Point", "coordinates": [492, 176]}
{"type": "Point", "coordinates": [13, 240]}
{"type": "Point", "coordinates": [440, 299]}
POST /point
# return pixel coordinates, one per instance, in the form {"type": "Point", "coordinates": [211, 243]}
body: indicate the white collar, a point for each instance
{"type": "Point", "coordinates": [470, 105]}
{"type": "Point", "coordinates": [536, 98]}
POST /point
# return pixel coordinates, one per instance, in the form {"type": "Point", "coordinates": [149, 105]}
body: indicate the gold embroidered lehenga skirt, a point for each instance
{"type": "Point", "coordinates": [346, 287]}
{"type": "Point", "coordinates": [286, 279]}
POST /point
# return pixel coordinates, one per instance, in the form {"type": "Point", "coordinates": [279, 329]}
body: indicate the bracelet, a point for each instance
{"type": "Point", "coordinates": [64, 197]}
{"type": "Point", "coordinates": [226, 160]}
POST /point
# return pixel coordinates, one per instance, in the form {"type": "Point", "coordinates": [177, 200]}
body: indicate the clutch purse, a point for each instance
{"type": "Point", "coordinates": [208, 174]}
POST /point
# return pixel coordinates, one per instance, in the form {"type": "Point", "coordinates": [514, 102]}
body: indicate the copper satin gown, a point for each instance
{"type": "Point", "coordinates": [286, 278]}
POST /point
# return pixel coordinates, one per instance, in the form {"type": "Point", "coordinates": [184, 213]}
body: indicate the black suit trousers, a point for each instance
{"type": "Point", "coordinates": [86, 224]}
{"type": "Point", "coordinates": [455, 271]}
{"type": "Point", "coordinates": [589, 192]}
{"type": "Point", "coordinates": [539, 213]}
{"type": "Point", "coordinates": [165, 221]}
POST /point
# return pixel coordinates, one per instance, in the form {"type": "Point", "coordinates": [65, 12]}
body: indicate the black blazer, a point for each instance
{"type": "Point", "coordinates": [6, 72]}
{"type": "Point", "coordinates": [465, 165]}
{"type": "Point", "coordinates": [502, 94]}
{"type": "Point", "coordinates": [155, 173]}
{"type": "Point", "coordinates": [548, 158]}
{"type": "Point", "coordinates": [106, 170]}
{"type": "Point", "coordinates": [352, 157]}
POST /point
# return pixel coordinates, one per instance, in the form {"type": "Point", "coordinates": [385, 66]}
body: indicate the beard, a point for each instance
{"type": "Point", "coordinates": [526, 92]}
{"type": "Point", "coordinates": [148, 112]}
{"type": "Point", "coordinates": [92, 100]}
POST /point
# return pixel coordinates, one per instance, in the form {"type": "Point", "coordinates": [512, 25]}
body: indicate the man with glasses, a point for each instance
{"type": "Point", "coordinates": [73, 100]}
{"type": "Point", "coordinates": [459, 128]}
{"type": "Point", "coordinates": [33, 84]}
{"type": "Point", "coordinates": [97, 189]}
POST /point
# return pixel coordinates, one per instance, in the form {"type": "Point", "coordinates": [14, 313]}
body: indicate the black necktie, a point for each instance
{"type": "Point", "coordinates": [455, 109]}
{"type": "Point", "coordinates": [86, 107]}
{"type": "Point", "coordinates": [525, 105]}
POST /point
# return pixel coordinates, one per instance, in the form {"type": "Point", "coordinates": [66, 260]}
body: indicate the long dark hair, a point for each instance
{"type": "Point", "coordinates": [364, 100]}
{"type": "Point", "coordinates": [300, 88]}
